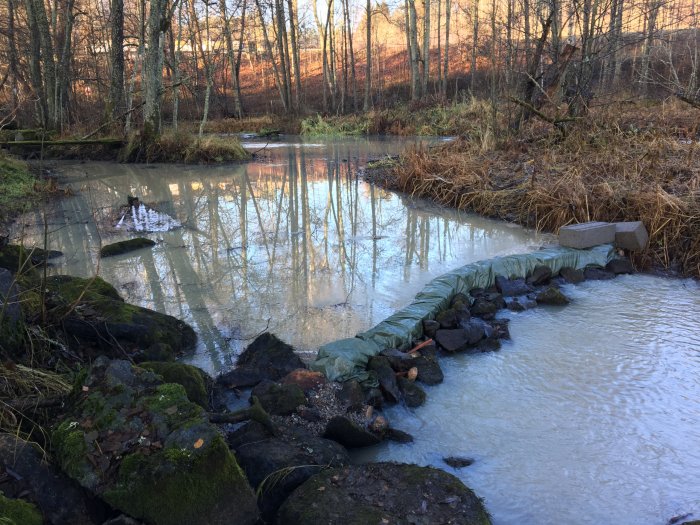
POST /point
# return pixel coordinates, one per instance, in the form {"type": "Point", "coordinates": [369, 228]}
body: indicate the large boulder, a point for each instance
{"type": "Point", "coordinates": [383, 493]}
{"type": "Point", "coordinates": [386, 377]}
{"type": "Point", "coordinates": [350, 433]}
{"type": "Point", "coordinates": [145, 449]}
{"type": "Point", "coordinates": [92, 314]}
{"type": "Point", "coordinates": [511, 287]}
{"type": "Point", "coordinates": [552, 296]}
{"type": "Point", "coordinates": [59, 499]}
{"type": "Point", "coordinates": [266, 358]}
{"type": "Point", "coordinates": [278, 399]}
{"type": "Point", "coordinates": [275, 466]}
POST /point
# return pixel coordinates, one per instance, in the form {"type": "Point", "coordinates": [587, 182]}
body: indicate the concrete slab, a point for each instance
{"type": "Point", "coordinates": [631, 235]}
{"type": "Point", "coordinates": [587, 234]}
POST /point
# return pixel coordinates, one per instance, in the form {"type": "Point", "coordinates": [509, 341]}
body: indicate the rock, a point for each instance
{"type": "Point", "coordinates": [572, 275]}
{"type": "Point", "coordinates": [447, 319]}
{"type": "Point", "coordinates": [266, 358]}
{"type": "Point", "coordinates": [122, 520]}
{"type": "Point", "coordinates": [305, 379]}
{"type": "Point", "coordinates": [511, 287]}
{"type": "Point", "coordinates": [593, 273]}
{"type": "Point", "coordinates": [399, 436]}
{"type": "Point", "coordinates": [413, 395]}
{"type": "Point", "coordinates": [456, 340]}
{"type": "Point", "coordinates": [59, 499]}
{"type": "Point", "coordinates": [476, 330]}
{"type": "Point", "coordinates": [540, 275]}
{"type": "Point", "coordinates": [386, 376]}
{"type": "Point", "coordinates": [515, 306]}
{"type": "Point", "coordinates": [18, 512]}
{"type": "Point", "coordinates": [430, 327]}
{"type": "Point", "coordinates": [487, 305]}
{"type": "Point", "coordinates": [11, 319]}
{"type": "Point", "coordinates": [377, 493]}
{"type": "Point", "coordinates": [618, 266]}
{"type": "Point", "coordinates": [587, 234]}
{"type": "Point", "coordinates": [351, 396]}
{"type": "Point", "coordinates": [130, 245]}
{"type": "Point", "coordinates": [489, 345]}
{"type": "Point", "coordinates": [92, 315]}
{"type": "Point", "coordinates": [277, 466]}
{"type": "Point", "coordinates": [374, 398]}
{"type": "Point", "coordinates": [457, 462]}
{"type": "Point", "coordinates": [277, 399]}
{"type": "Point", "coordinates": [349, 434]}
{"type": "Point", "coordinates": [20, 259]}
{"type": "Point", "coordinates": [144, 448]}
{"type": "Point", "coordinates": [429, 371]}
{"type": "Point", "coordinates": [631, 236]}
{"type": "Point", "coordinates": [499, 329]}
{"type": "Point", "coordinates": [196, 382]}
{"type": "Point", "coordinates": [552, 296]}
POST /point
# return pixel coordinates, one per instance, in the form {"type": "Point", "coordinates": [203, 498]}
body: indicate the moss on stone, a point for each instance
{"type": "Point", "coordinates": [18, 512]}
{"type": "Point", "coordinates": [126, 246]}
{"type": "Point", "coordinates": [201, 478]}
{"type": "Point", "coordinates": [68, 441]}
{"type": "Point", "coordinates": [192, 379]}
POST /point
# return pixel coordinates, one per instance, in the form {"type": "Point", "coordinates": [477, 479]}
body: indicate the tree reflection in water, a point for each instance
{"type": "Point", "coordinates": [295, 243]}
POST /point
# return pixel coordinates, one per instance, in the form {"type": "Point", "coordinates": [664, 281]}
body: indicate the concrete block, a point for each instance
{"type": "Point", "coordinates": [587, 234]}
{"type": "Point", "coordinates": [631, 235]}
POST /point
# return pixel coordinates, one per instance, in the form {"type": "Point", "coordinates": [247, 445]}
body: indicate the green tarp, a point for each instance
{"type": "Point", "coordinates": [346, 359]}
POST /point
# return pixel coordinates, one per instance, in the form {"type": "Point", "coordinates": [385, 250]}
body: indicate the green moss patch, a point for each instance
{"type": "Point", "coordinates": [148, 451]}
{"type": "Point", "coordinates": [18, 512]}
{"type": "Point", "coordinates": [16, 187]}
{"type": "Point", "coordinates": [192, 379]}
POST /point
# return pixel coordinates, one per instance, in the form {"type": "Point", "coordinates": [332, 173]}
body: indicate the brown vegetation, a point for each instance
{"type": "Point", "coordinates": [623, 163]}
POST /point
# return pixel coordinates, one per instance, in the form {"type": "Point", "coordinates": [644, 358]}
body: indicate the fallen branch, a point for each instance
{"type": "Point", "coordinates": [688, 100]}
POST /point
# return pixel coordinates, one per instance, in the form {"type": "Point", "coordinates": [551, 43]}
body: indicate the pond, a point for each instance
{"type": "Point", "coordinates": [590, 415]}
{"type": "Point", "coordinates": [293, 242]}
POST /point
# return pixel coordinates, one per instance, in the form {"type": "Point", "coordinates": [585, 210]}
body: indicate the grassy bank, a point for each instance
{"type": "Point", "coordinates": [431, 117]}
{"type": "Point", "coordinates": [622, 163]}
{"type": "Point", "coordinates": [183, 147]}
{"type": "Point", "coordinates": [18, 187]}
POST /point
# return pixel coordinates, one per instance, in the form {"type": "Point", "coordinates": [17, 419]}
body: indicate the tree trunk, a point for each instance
{"type": "Point", "coordinates": [232, 62]}
{"type": "Point", "coordinates": [293, 22]}
{"type": "Point", "coordinates": [368, 63]}
{"type": "Point", "coordinates": [426, 47]}
{"type": "Point", "coordinates": [414, 53]}
{"type": "Point", "coordinates": [446, 63]}
{"type": "Point", "coordinates": [153, 69]}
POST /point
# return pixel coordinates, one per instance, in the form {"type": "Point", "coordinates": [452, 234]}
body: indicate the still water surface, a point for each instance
{"type": "Point", "coordinates": [590, 415]}
{"type": "Point", "coordinates": [293, 242]}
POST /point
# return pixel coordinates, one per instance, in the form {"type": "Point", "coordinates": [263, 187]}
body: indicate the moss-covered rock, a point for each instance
{"type": "Point", "coordinates": [277, 399]}
{"type": "Point", "coordinates": [130, 245]}
{"type": "Point", "coordinates": [18, 512]}
{"type": "Point", "coordinates": [148, 451]}
{"type": "Point", "coordinates": [383, 493]}
{"type": "Point", "coordinates": [92, 314]}
{"type": "Point", "coordinates": [195, 381]}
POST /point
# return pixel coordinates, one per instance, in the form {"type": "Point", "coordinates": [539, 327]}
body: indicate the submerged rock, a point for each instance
{"type": "Point", "coordinates": [17, 258]}
{"type": "Point", "coordinates": [349, 433]}
{"type": "Point", "coordinates": [552, 296]}
{"type": "Point", "coordinates": [572, 275]}
{"type": "Point", "coordinates": [413, 395]}
{"type": "Point", "coordinates": [127, 246]}
{"type": "Point", "coordinates": [265, 358]}
{"type": "Point", "coordinates": [144, 448]}
{"type": "Point", "coordinates": [458, 462]}
{"type": "Point", "coordinates": [598, 274]}
{"type": "Point", "coordinates": [456, 340]}
{"type": "Point", "coordinates": [383, 493]}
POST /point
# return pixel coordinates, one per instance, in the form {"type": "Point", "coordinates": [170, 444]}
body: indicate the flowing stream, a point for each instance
{"type": "Point", "coordinates": [591, 415]}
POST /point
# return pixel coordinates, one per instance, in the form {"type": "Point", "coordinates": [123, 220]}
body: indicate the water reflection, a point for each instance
{"type": "Point", "coordinates": [294, 242]}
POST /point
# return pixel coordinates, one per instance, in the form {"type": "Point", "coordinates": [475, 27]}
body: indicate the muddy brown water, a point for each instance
{"type": "Point", "coordinates": [591, 415]}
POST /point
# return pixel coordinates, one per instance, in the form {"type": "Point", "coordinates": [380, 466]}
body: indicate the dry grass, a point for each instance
{"type": "Point", "coordinates": [622, 164]}
{"type": "Point", "coordinates": [184, 147]}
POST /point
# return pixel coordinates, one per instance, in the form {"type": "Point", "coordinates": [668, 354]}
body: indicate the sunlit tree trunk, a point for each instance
{"type": "Point", "coordinates": [446, 63]}
{"type": "Point", "coordinates": [426, 47]}
{"type": "Point", "coordinates": [116, 84]}
{"type": "Point", "coordinates": [368, 62]}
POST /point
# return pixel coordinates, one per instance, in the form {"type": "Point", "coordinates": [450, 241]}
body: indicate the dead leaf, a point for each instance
{"type": "Point", "coordinates": [199, 443]}
{"type": "Point", "coordinates": [171, 410]}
